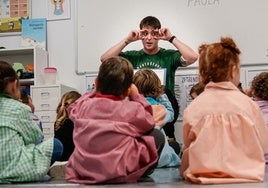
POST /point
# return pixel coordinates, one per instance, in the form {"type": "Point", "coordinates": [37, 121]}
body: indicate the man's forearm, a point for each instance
{"type": "Point", "coordinates": [115, 50]}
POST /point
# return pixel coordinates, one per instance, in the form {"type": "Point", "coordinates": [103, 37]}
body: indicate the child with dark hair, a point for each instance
{"type": "Point", "coordinates": [26, 99]}
{"type": "Point", "coordinates": [259, 92]}
{"type": "Point", "coordinates": [22, 160]}
{"type": "Point", "coordinates": [114, 136]}
{"type": "Point", "coordinates": [196, 90]}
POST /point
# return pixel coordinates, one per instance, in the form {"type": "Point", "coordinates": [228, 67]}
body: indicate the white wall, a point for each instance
{"type": "Point", "coordinates": [103, 23]}
{"type": "Point", "coordinates": [61, 39]}
{"type": "Point", "coordinates": [62, 44]}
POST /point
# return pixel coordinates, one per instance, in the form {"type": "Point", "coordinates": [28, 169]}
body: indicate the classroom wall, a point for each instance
{"type": "Point", "coordinates": [62, 39]}
{"type": "Point", "coordinates": [192, 21]}
{"type": "Point", "coordinates": [61, 45]}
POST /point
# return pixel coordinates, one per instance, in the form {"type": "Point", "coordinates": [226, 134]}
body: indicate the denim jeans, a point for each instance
{"type": "Point", "coordinates": [57, 151]}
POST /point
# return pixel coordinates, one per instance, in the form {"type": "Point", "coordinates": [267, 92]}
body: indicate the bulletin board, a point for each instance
{"type": "Point", "coordinates": [185, 78]}
{"type": "Point", "coordinates": [12, 12]}
{"type": "Point", "coordinates": [100, 24]}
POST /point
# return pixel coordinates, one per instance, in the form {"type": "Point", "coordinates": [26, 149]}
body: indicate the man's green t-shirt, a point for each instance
{"type": "Point", "coordinates": [168, 59]}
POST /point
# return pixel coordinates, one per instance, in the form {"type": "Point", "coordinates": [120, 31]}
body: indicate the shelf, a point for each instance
{"type": "Point", "coordinates": [34, 56]}
{"type": "Point", "coordinates": [18, 51]}
{"type": "Point", "coordinates": [29, 81]}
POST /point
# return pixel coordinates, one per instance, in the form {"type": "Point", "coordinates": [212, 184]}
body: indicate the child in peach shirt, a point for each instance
{"type": "Point", "coordinates": [224, 134]}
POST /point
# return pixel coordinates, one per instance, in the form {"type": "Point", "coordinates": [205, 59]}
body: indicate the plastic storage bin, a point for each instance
{"type": "Point", "coordinates": [50, 75]}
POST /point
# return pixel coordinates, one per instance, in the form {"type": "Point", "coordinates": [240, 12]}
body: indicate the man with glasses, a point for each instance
{"type": "Point", "coordinates": [154, 57]}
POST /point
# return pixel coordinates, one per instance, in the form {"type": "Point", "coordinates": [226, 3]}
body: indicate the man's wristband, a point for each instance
{"type": "Point", "coordinates": [172, 38]}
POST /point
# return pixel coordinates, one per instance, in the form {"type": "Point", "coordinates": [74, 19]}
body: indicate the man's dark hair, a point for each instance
{"type": "Point", "coordinates": [150, 21]}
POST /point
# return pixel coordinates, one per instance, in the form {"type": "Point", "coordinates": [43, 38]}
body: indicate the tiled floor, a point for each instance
{"type": "Point", "coordinates": [162, 177]}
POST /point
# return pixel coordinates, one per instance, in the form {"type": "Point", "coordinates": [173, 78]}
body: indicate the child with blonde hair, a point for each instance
{"type": "Point", "coordinates": [64, 126]}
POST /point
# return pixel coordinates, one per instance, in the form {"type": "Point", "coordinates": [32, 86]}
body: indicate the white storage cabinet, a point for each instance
{"type": "Point", "coordinates": [46, 99]}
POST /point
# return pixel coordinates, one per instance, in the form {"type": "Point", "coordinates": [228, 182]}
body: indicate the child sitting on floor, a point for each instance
{"type": "Point", "coordinates": [259, 93]}
{"type": "Point", "coordinates": [64, 126]}
{"type": "Point", "coordinates": [149, 85]}
{"type": "Point", "coordinates": [114, 136]}
{"type": "Point", "coordinates": [26, 99]}
{"type": "Point", "coordinates": [21, 159]}
{"type": "Point", "coordinates": [224, 134]}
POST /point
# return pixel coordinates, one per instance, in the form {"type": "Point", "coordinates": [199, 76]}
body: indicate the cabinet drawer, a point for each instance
{"type": "Point", "coordinates": [46, 116]}
{"type": "Point", "coordinates": [48, 130]}
{"type": "Point", "coordinates": [46, 98]}
{"type": "Point", "coordinates": [46, 105]}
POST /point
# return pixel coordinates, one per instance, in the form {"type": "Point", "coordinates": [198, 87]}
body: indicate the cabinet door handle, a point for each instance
{"type": "Point", "coordinates": [46, 130]}
{"type": "Point", "coordinates": [45, 106]}
{"type": "Point", "coordinates": [45, 95]}
{"type": "Point", "coordinates": [45, 118]}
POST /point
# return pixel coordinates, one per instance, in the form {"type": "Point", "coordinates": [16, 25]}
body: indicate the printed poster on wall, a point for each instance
{"type": "Point", "coordinates": [183, 85]}
{"type": "Point", "coordinates": [34, 33]}
{"type": "Point", "coordinates": [58, 9]}
{"type": "Point", "coordinates": [12, 12]}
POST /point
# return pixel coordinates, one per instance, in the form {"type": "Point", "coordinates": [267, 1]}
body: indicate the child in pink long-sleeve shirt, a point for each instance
{"type": "Point", "coordinates": [114, 136]}
{"type": "Point", "coordinates": [224, 133]}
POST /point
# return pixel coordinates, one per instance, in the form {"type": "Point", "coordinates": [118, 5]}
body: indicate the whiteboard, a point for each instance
{"type": "Point", "coordinates": [101, 24]}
